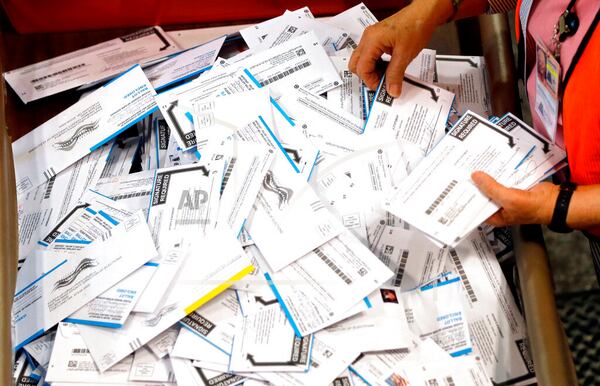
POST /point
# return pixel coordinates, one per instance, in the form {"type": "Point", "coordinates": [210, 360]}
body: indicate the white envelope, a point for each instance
{"type": "Point", "coordinates": [147, 368]}
{"type": "Point", "coordinates": [321, 288]}
{"type": "Point", "coordinates": [213, 264]}
{"type": "Point", "coordinates": [54, 285]}
{"type": "Point", "coordinates": [185, 64]}
{"type": "Point", "coordinates": [301, 61]}
{"type": "Point", "coordinates": [71, 361]}
{"type": "Point", "coordinates": [89, 65]}
{"type": "Point", "coordinates": [41, 208]}
{"type": "Point", "coordinates": [267, 342]}
{"type": "Point", "coordinates": [82, 128]}
{"type": "Point", "coordinates": [287, 207]}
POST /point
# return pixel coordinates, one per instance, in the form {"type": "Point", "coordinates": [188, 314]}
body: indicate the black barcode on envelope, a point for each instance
{"type": "Point", "coordinates": [401, 268]}
{"type": "Point", "coordinates": [228, 173]}
{"type": "Point", "coordinates": [49, 188]}
{"type": "Point", "coordinates": [441, 197]}
{"type": "Point", "coordinates": [450, 381]}
{"type": "Point", "coordinates": [285, 73]}
{"type": "Point", "coordinates": [80, 351]}
{"type": "Point", "coordinates": [130, 195]}
{"type": "Point", "coordinates": [463, 275]}
{"type": "Point", "coordinates": [333, 267]}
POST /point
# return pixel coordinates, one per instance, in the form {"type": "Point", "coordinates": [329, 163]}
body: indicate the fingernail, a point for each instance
{"type": "Point", "coordinates": [394, 90]}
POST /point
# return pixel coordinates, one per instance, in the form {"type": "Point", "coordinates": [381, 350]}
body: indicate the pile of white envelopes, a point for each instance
{"type": "Point", "coordinates": [264, 218]}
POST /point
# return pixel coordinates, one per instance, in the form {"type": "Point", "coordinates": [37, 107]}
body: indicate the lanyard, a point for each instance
{"type": "Point", "coordinates": [565, 27]}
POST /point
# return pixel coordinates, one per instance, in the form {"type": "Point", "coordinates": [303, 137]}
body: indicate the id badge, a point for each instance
{"type": "Point", "coordinates": [547, 86]}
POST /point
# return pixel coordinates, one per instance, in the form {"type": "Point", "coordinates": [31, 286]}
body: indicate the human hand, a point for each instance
{"type": "Point", "coordinates": [534, 206]}
{"type": "Point", "coordinates": [402, 35]}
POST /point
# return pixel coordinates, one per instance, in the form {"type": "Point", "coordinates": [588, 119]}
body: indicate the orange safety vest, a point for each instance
{"type": "Point", "coordinates": [581, 110]}
{"type": "Point", "coordinates": [581, 117]}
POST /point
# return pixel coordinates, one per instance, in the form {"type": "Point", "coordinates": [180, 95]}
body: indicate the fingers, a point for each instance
{"type": "Point", "coordinates": [395, 74]}
{"type": "Point", "coordinates": [354, 58]}
{"type": "Point", "coordinates": [366, 67]}
{"type": "Point", "coordinates": [492, 189]}
{"type": "Point", "coordinates": [497, 219]}
{"type": "Point", "coordinates": [363, 61]}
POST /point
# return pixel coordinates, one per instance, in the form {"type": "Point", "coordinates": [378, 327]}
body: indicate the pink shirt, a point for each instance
{"type": "Point", "coordinates": [540, 25]}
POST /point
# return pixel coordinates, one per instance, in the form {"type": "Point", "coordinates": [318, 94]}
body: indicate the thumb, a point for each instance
{"type": "Point", "coordinates": [490, 187]}
{"type": "Point", "coordinates": [395, 74]}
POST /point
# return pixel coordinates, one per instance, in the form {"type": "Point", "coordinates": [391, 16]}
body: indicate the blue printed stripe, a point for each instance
{"type": "Point", "coordinates": [461, 352]}
{"type": "Point", "coordinates": [151, 264]}
{"type": "Point", "coordinates": [241, 229]}
{"type": "Point", "coordinates": [29, 359]}
{"type": "Point", "coordinates": [371, 106]}
{"type": "Point", "coordinates": [92, 211]}
{"type": "Point", "coordinates": [184, 78]}
{"type": "Point", "coordinates": [108, 218]}
{"type": "Point", "coordinates": [100, 194]}
{"type": "Point", "coordinates": [157, 142]}
{"type": "Point", "coordinates": [279, 145]}
{"type": "Point", "coordinates": [43, 244]}
{"type": "Point", "coordinates": [252, 78]}
{"type": "Point", "coordinates": [278, 107]}
{"type": "Point", "coordinates": [368, 302]}
{"type": "Point", "coordinates": [189, 116]}
{"type": "Point", "coordinates": [286, 311]}
{"type": "Point", "coordinates": [237, 296]}
{"type": "Point", "coordinates": [93, 323]}
{"type": "Point", "coordinates": [30, 339]}
{"type": "Point", "coordinates": [40, 278]}
{"type": "Point", "coordinates": [111, 137]}
{"type": "Point", "coordinates": [312, 344]}
{"type": "Point", "coordinates": [312, 169]}
{"type": "Point", "coordinates": [353, 370]}
{"type": "Point", "coordinates": [440, 284]}
{"type": "Point", "coordinates": [525, 158]}
{"type": "Point", "coordinates": [73, 241]}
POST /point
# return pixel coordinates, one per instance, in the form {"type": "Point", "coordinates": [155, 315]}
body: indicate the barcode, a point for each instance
{"type": "Point", "coordinates": [80, 351]}
{"type": "Point", "coordinates": [441, 197]}
{"type": "Point", "coordinates": [333, 267]}
{"type": "Point", "coordinates": [49, 188]}
{"type": "Point", "coordinates": [401, 268]}
{"type": "Point", "coordinates": [432, 382]}
{"type": "Point", "coordinates": [49, 173]}
{"type": "Point", "coordinates": [228, 173]}
{"type": "Point", "coordinates": [285, 73]}
{"type": "Point", "coordinates": [463, 275]}
{"type": "Point", "coordinates": [450, 381]}
{"type": "Point", "coordinates": [68, 69]}
{"type": "Point", "coordinates": [130, 195]}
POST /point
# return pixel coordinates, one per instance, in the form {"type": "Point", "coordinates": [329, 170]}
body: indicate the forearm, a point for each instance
{"type": "Point", "coordinates": [440, 11]}
{"type": "Point", "coordinates": [584, 208]}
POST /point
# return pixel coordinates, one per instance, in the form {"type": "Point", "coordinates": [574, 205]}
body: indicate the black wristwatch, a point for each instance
{"type": "Point", "coordinates": [559, 217]}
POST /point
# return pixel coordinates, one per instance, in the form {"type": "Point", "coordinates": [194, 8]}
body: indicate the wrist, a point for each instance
{"type": "Point", "coordinates": [558, 223]}
{"type": "Point", "coordinates": [549, 204]}
{"type": "Point", "coordinates": [433, 12]}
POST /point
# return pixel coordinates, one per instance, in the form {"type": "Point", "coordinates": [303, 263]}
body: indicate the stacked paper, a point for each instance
{"type": "Point", "coordinates": [264, 218]}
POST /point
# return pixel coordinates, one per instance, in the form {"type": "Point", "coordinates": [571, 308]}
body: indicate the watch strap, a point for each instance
{"type": "Point", "coordinates": [559, 217]}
